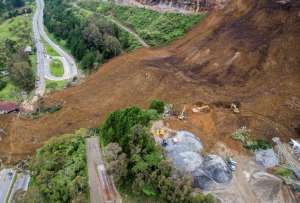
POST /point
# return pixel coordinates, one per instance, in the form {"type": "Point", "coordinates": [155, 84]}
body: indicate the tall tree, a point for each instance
{"type": "Point", "coordinates": [22, 75]}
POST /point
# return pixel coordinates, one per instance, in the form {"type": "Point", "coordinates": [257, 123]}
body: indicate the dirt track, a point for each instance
{"type": "Point", "coordinates": [248, 53]}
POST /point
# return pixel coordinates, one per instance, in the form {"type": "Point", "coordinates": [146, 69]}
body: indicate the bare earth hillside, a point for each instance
{"type": "Point", "coordinates": [248, 52]}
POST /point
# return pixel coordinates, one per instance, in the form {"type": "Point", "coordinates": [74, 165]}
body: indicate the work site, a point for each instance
{"type": "Point", "coordinates": [213, 115]}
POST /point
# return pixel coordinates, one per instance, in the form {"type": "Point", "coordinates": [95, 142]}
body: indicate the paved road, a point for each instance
{"type": "Point", "coordinates": [94, 159]}
{"type": "Point", "coordinates": [41, 59]}
{"type": "Point", "coordinates": [70, 69]}
{"type": "Point", "coordinates": [102, 188]}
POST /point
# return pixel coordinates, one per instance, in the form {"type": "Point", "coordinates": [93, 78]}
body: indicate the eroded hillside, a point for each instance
{"type": "Point", "coordinates": [247, 53]}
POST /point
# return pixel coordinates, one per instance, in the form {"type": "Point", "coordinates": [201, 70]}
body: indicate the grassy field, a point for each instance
{"type": "Point", "coordinates": [10, 93]}
{"type": "Point", "coordinates": [50, 51]}
{"type": "Point", "coordinates": [56, 68]}
{"type": "Point", "coordinates": [11, 28]}
{"type": "Point", "coordinates": [52, 86]}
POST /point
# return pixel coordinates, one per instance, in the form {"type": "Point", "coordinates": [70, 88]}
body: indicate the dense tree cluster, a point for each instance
{"type": "Point", "coordinates": [91, 39]}
{"type": "Point", "coordinates": [135, 160]}
{"type": "Point", "coordinates": [15, 66]}
{"type": "Point", "coordinates": [60, 173]}
{"type": "Point", "coordinates": [11, 8]}
{"type": "Point", "coordinates": [10, 4]}
{"type": "Point", "coordinates": [157, 105]}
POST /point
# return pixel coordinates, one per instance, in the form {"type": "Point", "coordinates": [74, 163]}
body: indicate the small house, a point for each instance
{"type": "Point", "coordinates": [28, 50]}
{"type": "Point", "coordinates": [8, 107]}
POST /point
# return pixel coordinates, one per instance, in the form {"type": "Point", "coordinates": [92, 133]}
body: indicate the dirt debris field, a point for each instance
{"type": "Point", "coordinates": [247, 52]}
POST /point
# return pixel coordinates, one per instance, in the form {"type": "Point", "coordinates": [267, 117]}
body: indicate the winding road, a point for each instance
{"type": "Point", "coordinates": [43, 60]}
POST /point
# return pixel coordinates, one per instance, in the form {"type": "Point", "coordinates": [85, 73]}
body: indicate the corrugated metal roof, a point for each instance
{"type": "Point", "coordinates": [7, 107]}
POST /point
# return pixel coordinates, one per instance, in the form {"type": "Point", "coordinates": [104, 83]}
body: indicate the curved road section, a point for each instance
{"type": "Point", "coordinates": [43, 60]}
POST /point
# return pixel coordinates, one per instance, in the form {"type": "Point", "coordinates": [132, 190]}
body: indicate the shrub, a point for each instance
{"type": "Point", "coordinates": [2, 84]}
{"type": "Point", "coordinates": [243, 135]}
{"type": "Point", "coordinates": [200, 198]}
{"type": "Point", "coordinates": [157, 105]}
{"type": "Point", "coordinates": [284, 172]}
{"type": "Point", "coordinates": [258, 144]}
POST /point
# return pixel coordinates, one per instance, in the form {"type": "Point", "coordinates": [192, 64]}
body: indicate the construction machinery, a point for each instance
{"type": "Point", "coordinates": [160, 132]}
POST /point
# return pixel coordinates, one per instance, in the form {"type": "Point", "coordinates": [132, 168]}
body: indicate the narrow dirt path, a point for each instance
{"type": "Point", "coordinates": [130, 31]}
{"type": "Point", "coordinates": [119, 24]}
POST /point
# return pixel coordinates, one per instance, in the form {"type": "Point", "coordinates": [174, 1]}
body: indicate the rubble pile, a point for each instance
{"type": "Point", "coordinates": [267, 158]}
{"type": "Point", "coordinates": [184, 151]}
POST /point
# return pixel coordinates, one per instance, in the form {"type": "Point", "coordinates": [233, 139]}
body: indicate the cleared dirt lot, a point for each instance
{"type": "Point", "coordinates": [248, 52]}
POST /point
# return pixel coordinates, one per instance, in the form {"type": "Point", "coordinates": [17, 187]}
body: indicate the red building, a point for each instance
{"type": "Point", "coordinates": [8, 107]}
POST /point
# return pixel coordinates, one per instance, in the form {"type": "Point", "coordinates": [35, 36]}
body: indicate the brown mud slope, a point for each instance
{"type": "Point", "coordinates": [249, 52]}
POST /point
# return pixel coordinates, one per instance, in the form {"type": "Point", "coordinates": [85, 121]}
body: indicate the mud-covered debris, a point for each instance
{"type": "Point", "coordinates": [184, 151]}
{"type": "Point", "coordinates": [234, 108]}
{"type": "Point", "coordinates": [213, 170]}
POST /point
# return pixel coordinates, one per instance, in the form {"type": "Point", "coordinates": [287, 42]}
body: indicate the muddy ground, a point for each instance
{"type": "Point", "coordinates": [248, 52]}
